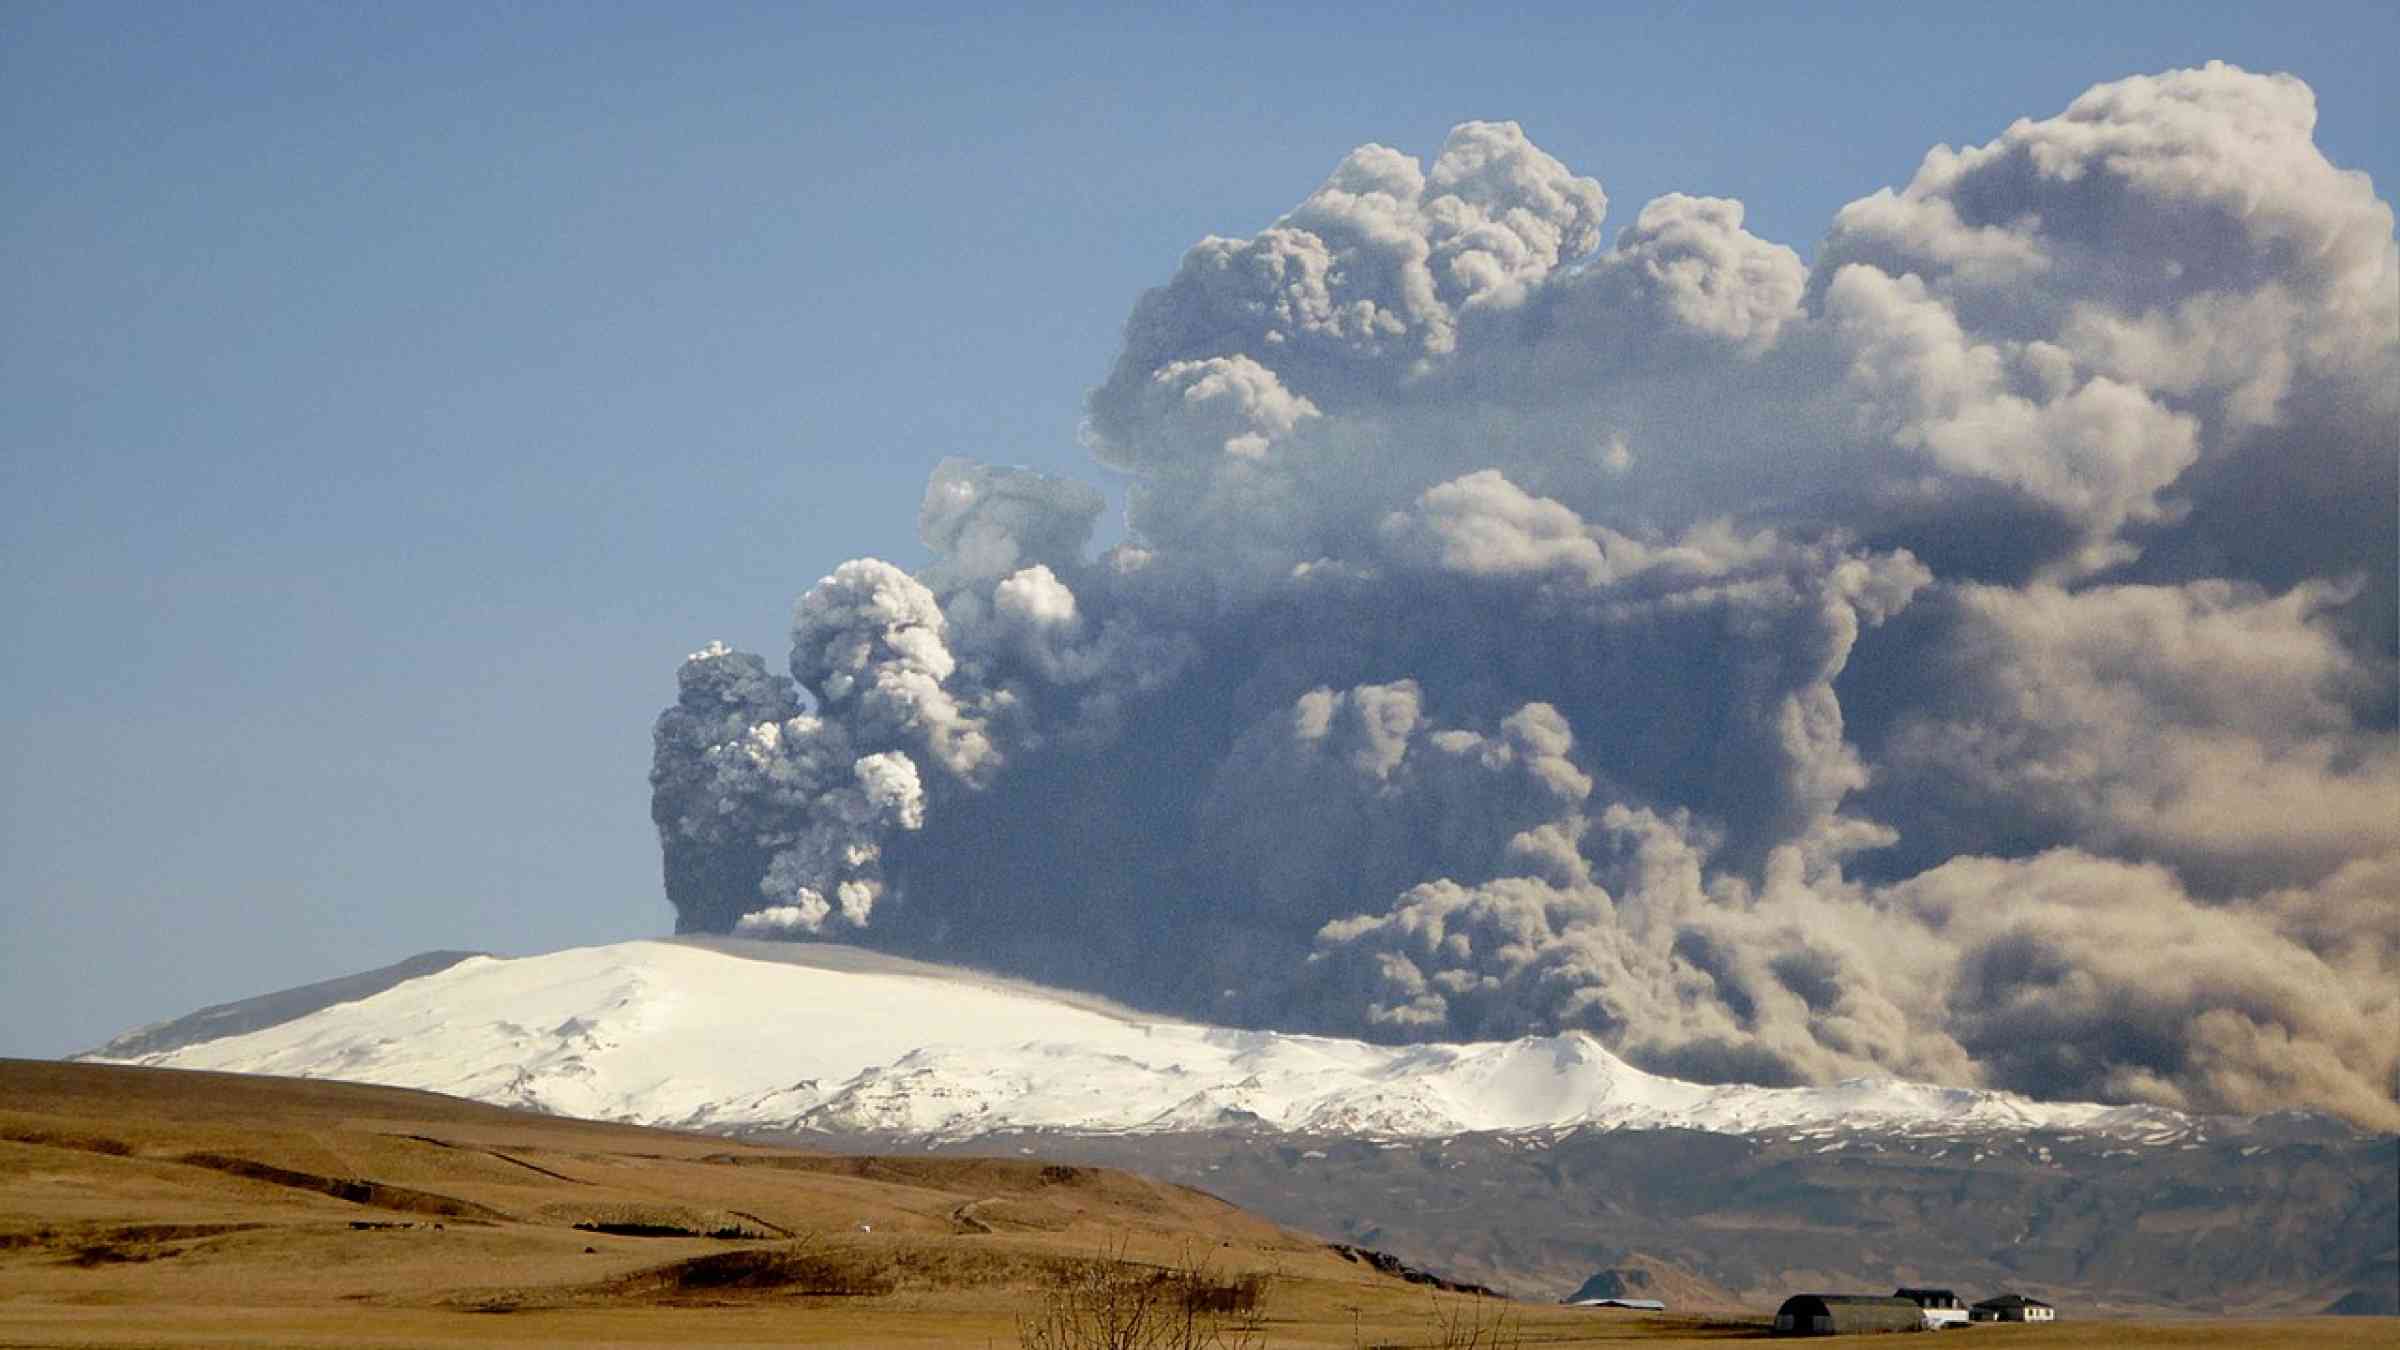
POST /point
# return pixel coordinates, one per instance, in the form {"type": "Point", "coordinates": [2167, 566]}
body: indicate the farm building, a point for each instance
{"type": "Point", "coordinates": [1636, 1304]}
{"type": "Point", "coordinates": [1845, 1314]}
{"type": "Point", "coordinates": [2012, 1308]}
{"type": "Point", "coordinates": [1940, 1306]}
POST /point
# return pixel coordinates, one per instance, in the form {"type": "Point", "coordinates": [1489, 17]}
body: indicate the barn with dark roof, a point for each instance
{"type": "Point", "coordinates": [1941, 1307]}
{"type": "Point", "coordinates": [1846, 1314]}
{"type": "Point", "coordinates": [2013, 1308]}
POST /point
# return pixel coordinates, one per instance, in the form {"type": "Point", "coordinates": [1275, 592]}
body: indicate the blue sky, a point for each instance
{"type": "Point", "coordinates": [391, 396]}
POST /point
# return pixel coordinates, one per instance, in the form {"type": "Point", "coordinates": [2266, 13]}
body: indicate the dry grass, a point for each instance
{"type": "Point", "coordinates": [151, 1207]}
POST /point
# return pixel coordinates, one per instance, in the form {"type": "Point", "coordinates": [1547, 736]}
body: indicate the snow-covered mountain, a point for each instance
{"type": "Point", "coordinates": [728, 1034]}
{"type": "Point", "coordinates": [1529, 1164]}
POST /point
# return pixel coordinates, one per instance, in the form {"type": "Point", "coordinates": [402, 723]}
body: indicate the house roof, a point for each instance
{"type": "Point", "coordinates": [2012, 1301]}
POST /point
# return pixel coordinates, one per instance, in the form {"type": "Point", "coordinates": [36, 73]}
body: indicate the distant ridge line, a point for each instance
{"type": "Point", "coordinates": [271, 1010]}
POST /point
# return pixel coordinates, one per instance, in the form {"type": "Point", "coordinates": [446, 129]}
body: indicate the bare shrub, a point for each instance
{"type": "Point", "coordinates": [1110, 1302]}
{"type": "Point", "coordinates": [1476, 1323]}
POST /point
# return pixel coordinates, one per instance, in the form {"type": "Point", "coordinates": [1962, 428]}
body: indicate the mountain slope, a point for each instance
{"type": "Point", "coordinates": [1525, 1164]}
{"type": "Point", "coordinates": [271, 1010]}
{"type": "Point", "coordinates": [2260, 1219]}
{"type": "Point", "coordinates": [723, 1033]}
{"type": "Point", "coordinates": [152, 1207]}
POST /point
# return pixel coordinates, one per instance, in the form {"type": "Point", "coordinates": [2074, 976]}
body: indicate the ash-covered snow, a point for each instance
{"type": "Point", "coordinates": [728, 1034]}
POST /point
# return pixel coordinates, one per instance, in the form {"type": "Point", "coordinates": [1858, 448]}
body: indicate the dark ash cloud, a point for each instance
{"type": "Point", "coordinates": [1971, 658]}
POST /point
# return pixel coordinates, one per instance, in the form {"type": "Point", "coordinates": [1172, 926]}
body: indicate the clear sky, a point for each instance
{"type": "Point", "coordinates": [390, 396]}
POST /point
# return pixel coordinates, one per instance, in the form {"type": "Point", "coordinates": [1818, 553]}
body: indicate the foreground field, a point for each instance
{"type": "Point", "coordinates": [153, 1207]}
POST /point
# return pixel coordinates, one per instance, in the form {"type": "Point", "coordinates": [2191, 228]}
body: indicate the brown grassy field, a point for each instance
{"type": "Point", "coordinates": [153, 1207]}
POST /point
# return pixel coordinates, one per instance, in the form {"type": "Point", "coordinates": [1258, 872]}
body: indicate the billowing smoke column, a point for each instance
{"type": "Point", "coordinates": [1970, 658]}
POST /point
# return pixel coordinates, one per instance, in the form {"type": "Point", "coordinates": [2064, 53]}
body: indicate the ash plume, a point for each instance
{"type": "Point", "coordinates": [1969, 657]}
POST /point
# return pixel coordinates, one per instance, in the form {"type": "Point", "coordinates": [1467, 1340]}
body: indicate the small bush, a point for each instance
{"type": "Point", "coordinates": [1240, 1294]}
